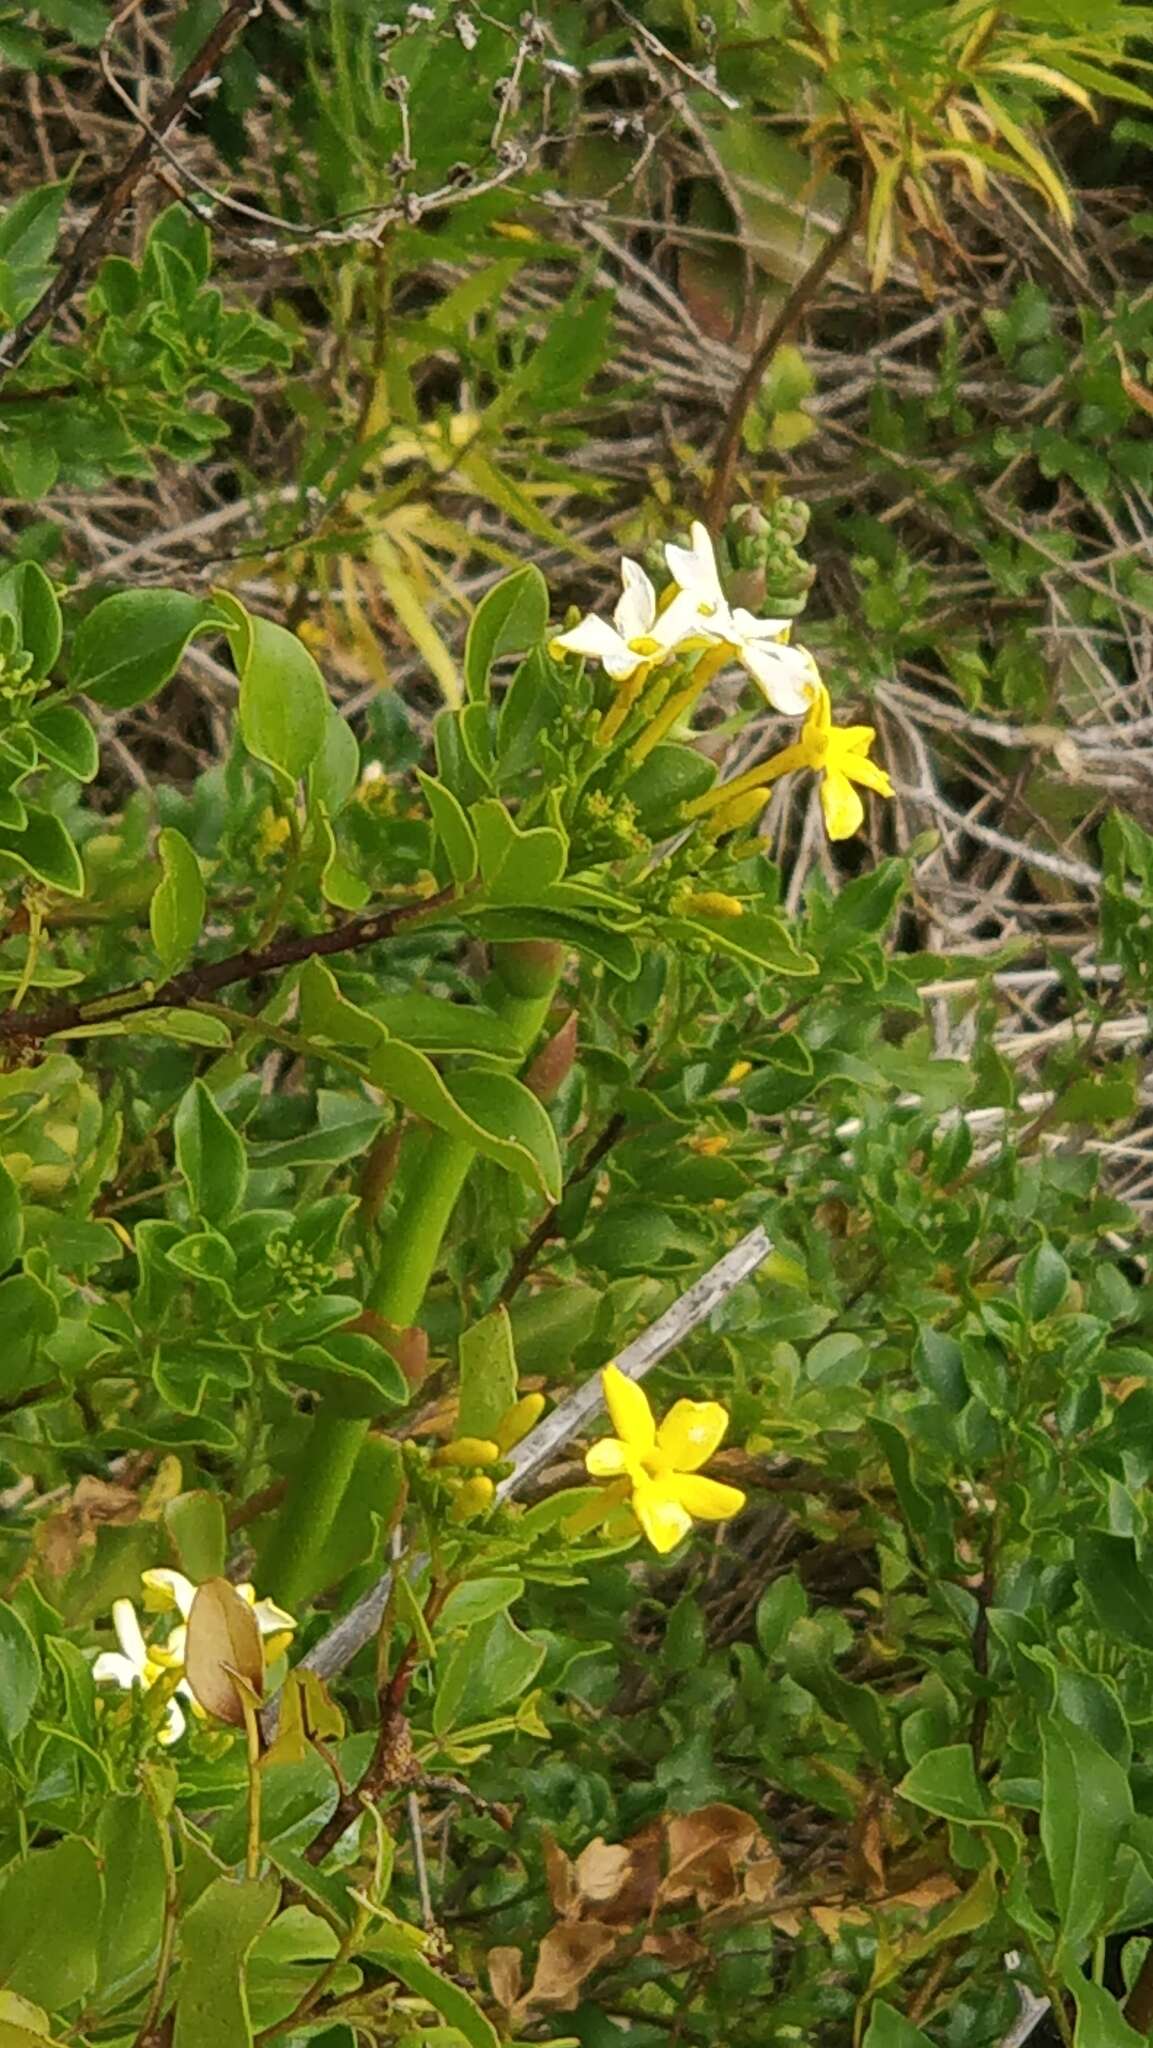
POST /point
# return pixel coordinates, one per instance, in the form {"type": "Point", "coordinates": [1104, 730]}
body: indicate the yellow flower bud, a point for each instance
{"type": "Point", "coordinates": [467, 1450]}
{"type": "Point", "coordinates": [741, 811]}
{"type": "Point", "coordinates": [516, 1421]}
{"type": "Point", "coordinates": [714, 903]}
{"type": "Point", "coordinates": [473, 1497]}
{"type": "Point", "coordinates": [738, 1071]}
{"type": "Point", "coordinates": [709, 1147]}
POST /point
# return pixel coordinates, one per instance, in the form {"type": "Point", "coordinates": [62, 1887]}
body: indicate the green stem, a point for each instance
{"type": "Point", "coordinates": [408, 1259]}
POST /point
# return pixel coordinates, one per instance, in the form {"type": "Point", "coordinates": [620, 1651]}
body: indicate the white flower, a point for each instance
{"type": "Point", "coordinates": [641, 635]}
{"type": "Point", "coordinates": [135, 1663]}
{"type": "Point", "coordinates": [164, 1589]}
{"type": "Point", "coordinates": [788, 676]}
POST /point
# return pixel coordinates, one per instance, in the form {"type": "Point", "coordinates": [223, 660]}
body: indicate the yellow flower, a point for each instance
{"type": "Point", "coordinates": [663, 1465]}
{"type": "Point", "coordinates": [838, 754]}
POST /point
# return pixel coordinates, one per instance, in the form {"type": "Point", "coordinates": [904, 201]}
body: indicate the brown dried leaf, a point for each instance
{"type": "Point", "coordinates": [679, 1949]}
{"type": "Point", "coordinates": [560, 1876]}
{"type": "Point", "coordinates": [831, 1919]}
{"type": "Point", "coordinates": [704, 1850]}
{"type": "Point", "coordinates": [600, 1870]}
{"type": "Point", "coordinates": [506, 1975]}
{"type": "Point", "coordinates": [64, 1538]}
{"type": "Point", "coordinates": [567, 1955]}
{"type": "Point", "coordinates": [223, 1640]}
{"type": "Point", "coordinates": [762, 1878]}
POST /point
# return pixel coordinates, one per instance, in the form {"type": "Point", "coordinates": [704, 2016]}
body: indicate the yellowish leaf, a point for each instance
{"type": "Point", "coordinates": [879, 228]}
{"type": "Point", "coordinates": [1043, 174]}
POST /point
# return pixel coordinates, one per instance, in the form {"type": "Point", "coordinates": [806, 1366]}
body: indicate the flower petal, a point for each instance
{"type": "Point", "coordinates": [690, 1433]}
{"type": "Point", "coordinates": [113, 1669]}
{"type": "Point", "coordinates": [843, 809]}
{"type": "Point", "coordinates": [271, 1619]}
{"type": "Point", "coordinates": [607, 1458]}
{"type": "Point", "coordinates": [637, 605]}
{"type": "Point", "coordinates": [706, 1500]}
{"type": "Point", "coordinates": [788, 676]}
{"type": "Point", "coordinates": [167, 1589]}
{"type": "Point", "coordinates": [174, 1725]}
{"type": "Point", "coordinates": [629, 1411]}
{"type": "Point", "coordinates": [870, 773]}
{"type": "Point", "coordinates": [129, 1634]}
{"type": "Point", "coordinates": [751, 628]}
{"type": "Point", "coordinates": [660, 1515]}
{"type": "Point", "coordinates": [820, 718]}
{"type": "Point", "coordinates": [596, 639]}
{"type": "Point", "coordinates": [681, 621]}
{"type": "Point", "coordinates": [695, 568]}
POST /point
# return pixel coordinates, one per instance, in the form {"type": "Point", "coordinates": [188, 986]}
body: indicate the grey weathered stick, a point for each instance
{"type": "Point", "coordinates": [360, 1624]}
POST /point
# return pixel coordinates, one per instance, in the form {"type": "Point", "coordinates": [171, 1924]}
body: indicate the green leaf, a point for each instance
{"type": "Point", "coordinates": [509, 619]}
{"type": "Point", "coordinates": [1118, 1587]}
{"type": "Point", "coordinates": [11, 1220]}
{"type": "Point", "coordinates": [808, 1660]}
{"type": "Point", "coordinates": [1042, 1282]}
{"type": "Point", "coordinates": [760, 941]}
{"type": "Point", "coordinates": [335, 772]}
{"type": "Point", "coordinates": [196, 1524]}
{"type": "Point", "coordinates": [50, 1908]}
{"type": "Point", "coordinates": [19, 1673]}
{"type": "Point", "coordinates": [888, 2029]}
{"type": "Point", "coordinates": [27, 597]}
{"type": "Point", "coordinates": [945, 1782]}
{"type": "Point", "coordinates": [64, 737]}
{"type": "Point", "coordinates": [452, 829]}
{"type": "Point", "coordinates": [614, 949]}
{"type": "Point", "coordinates": [454, 2005]}
{"type": "Point", "coordinates": [181, 1027]}
{"type": "Point", "coordinates": [492, 1112]}
{"type": "Point", "coordinates": [779, 1606]}
{"type": "Point", "coordinates": [489, 1669]}
{"type": "Point", "coordinates": [216, 1935]}
{"type": "Point", "coordinates": [44, 849]}
{"type": "Point", "coordinates": [129, 1845]}
{"type": "Point", "coordinates": [488, 1374]}
{"type": "Point", "coordinates": [516, 866]}
{"type": "Point", "coordinates": [130, 644]}
{"type": "Point", "coordinates": [28, 229]}
{"type": "Point", "coordinates": [283, 702]}
{"type": "Point", "coordinates": [1086, 1806]}
{"type": "Point", "coordinates": [176, 912]}
{"type": "Point", "coordinates": [436, 1025]}
{"type": "Point", "coordinates": [1100, 2020]}
{"type": "Point", "coordinates": [210, 1155]}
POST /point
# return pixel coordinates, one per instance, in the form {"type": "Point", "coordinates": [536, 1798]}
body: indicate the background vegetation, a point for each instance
{"type": "Point", "coordinates": [343, 346]}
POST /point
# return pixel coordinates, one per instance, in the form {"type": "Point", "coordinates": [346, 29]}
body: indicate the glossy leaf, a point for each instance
{"type": "Point", "coordinates": [508, 619]}
{"type": "Point", "coordinates": [210, 1155]}
{"type": "Point", "coordinates": [176, 912]}
{"type": "Point", "coordinates": [128, 646]}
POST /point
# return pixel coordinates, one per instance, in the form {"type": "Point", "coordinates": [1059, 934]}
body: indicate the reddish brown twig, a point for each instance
{"type": "Point", "coordinates": [200, 981]}
{"type": "Point", "coordinates": [93, 236]}
{"type": "Point", "coordinates": [804, 291]}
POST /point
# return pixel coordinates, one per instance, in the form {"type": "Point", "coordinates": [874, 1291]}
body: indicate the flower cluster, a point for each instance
{"type": "Point", "coordinates": [660, 1467]}
{"type": "Point", "coordinates": [139, 1662]}
{"type": "Point", "coordinates": [695, 616]}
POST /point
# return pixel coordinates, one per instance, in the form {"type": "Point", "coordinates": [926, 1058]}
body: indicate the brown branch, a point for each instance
{"type": "Point", "coordinates": [804, 291]}
{"type": "Point", "coordinates": [92, 238]}
{"type": "Point", "coordinates": [526, 1258]}
{"type": "Point", "coordinates": [196, 983]}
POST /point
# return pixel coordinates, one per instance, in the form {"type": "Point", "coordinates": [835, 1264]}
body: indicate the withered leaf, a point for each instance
{"type": "Point", "coordinates": [506, 1975]}
{"type": "Point", "coordinates": [223, 1640]}
{"type": "Point", "coordinates": [705, 1848]}
{"type": "Point", "coordinates": [567, 1955]}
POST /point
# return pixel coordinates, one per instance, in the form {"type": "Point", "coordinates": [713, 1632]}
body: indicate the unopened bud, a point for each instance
{"type": "Point", "coordinates": [473, 1498]}
{"type": "Point", "coordinates": [467, 1450]}
{"type": "Point", "coordinates": [714, 902]}
{"type": "Point", "coordinates": [516, 1421]}
{"type": "Point", "coordinates": [740, 811]}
